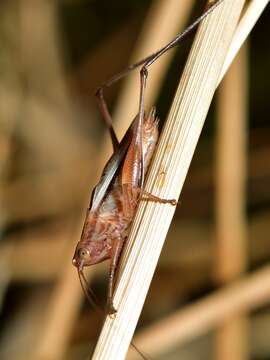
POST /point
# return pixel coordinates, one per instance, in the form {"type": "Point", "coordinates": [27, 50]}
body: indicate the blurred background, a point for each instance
{"type": "Point", "coordinates": [53, 146]}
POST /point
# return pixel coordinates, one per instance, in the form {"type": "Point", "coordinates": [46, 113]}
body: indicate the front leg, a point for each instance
{"type": "Point", "coordinates": [115, 254]}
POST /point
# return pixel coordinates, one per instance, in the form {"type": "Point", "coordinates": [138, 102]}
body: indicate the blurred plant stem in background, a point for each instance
{"type": "Point", "coordinates": [52, 56]}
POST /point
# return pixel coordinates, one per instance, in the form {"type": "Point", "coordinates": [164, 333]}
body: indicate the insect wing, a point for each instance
{"type": "Point", "coordinates": [111, 168]}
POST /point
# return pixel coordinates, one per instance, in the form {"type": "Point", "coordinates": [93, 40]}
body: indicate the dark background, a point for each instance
{"type": "Point", "coordinates": [52, 57]}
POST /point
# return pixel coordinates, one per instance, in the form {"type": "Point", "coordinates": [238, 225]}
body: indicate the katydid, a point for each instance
{"type": "Point", "coordinates": [115, 198]}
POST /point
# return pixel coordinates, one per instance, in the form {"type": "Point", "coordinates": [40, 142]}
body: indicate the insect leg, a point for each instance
{"type": "Point", "coordinates": [143, 79]}
{"type": "Point", "coordinates": [145, 195]}
{"type": "Point", "coordinates": [107, 117]}
{"type": "Point", "coordinates": [146, 62]}
{"type": "Point", "coordinates": [116, 251]}
{"type": "Point", "coordinates": [138, 139]}
{"type": "Point", "coordinates": [152, 58]}
{"type": "Point", "coordinates": [168, 46]}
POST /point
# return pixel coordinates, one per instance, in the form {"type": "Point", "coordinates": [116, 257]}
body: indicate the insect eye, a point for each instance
{"type": "Point", "coordinates": [84, 254]}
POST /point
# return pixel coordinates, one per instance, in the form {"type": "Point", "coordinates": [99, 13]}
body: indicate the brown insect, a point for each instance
{"type": "Point", "coordinates": [109, 216]}
{"type": "Point", "coordinates": [115, 198]}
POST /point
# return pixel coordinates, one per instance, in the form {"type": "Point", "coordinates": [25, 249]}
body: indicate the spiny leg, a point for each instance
{"type": "Point", "coordinates": [156, 54]}
{"type": "Point", "coordinates": [146, 62]}
{"type": "Point", "coordinates": [143, 78]}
